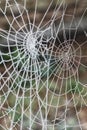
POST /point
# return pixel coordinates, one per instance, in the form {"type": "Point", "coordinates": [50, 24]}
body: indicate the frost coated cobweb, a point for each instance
{"type": "Point", "coordinates": [43, 65]}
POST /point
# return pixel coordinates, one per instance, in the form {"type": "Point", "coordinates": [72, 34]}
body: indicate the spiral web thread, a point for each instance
{"type": "Point", "coordinates": [41, 66]}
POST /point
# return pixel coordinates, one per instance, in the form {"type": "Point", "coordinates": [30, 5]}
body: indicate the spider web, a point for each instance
{"type": "Point", "coordinates": [43, 63]}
